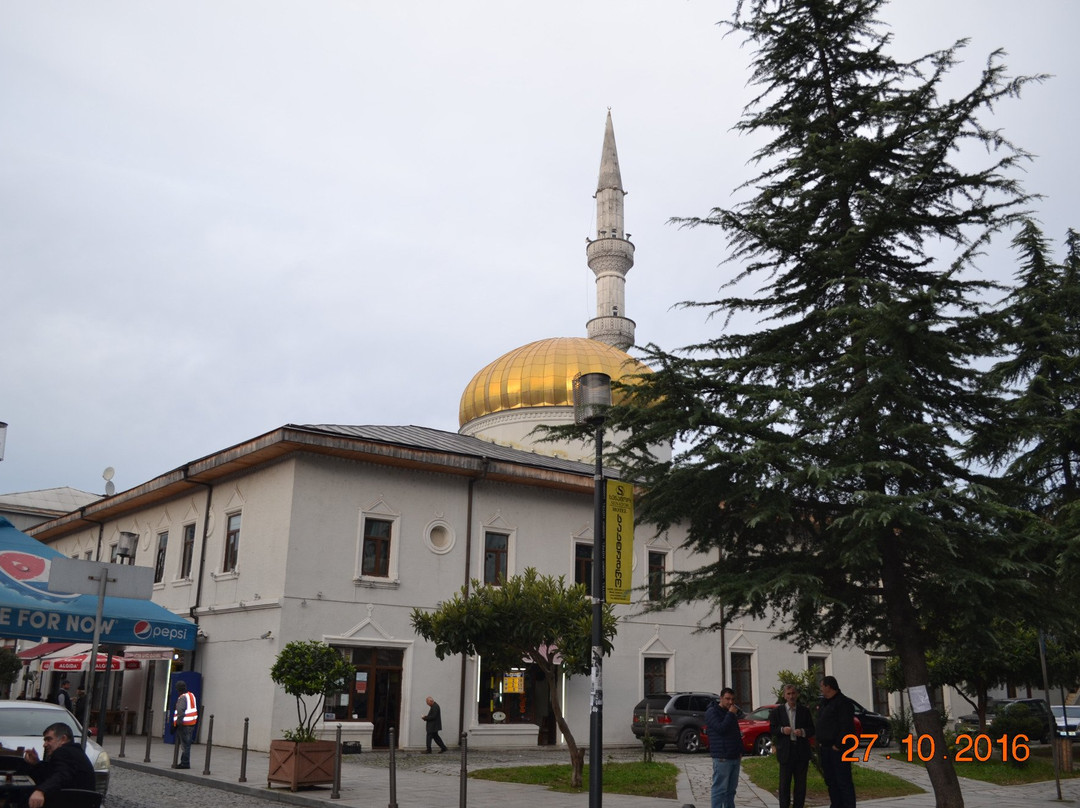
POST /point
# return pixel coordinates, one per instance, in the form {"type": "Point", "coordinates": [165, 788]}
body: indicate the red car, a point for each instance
{"type": "Point", "coordinates": [754, 727]}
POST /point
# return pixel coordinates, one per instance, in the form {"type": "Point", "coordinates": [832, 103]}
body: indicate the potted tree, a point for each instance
{"type": "Point", "coordinates": [306, 670]}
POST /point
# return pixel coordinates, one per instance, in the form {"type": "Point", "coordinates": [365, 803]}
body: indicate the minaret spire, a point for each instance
{"type": "Point", "coordinates": [611, 255]}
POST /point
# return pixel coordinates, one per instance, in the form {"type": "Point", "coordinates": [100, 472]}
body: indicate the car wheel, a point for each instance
{"type": "Point", "coordinates": [884, 737]}
{"type": "Point", "coordinates": [763, 744]}
{"type": "Point", "coordinates": [689, 740]}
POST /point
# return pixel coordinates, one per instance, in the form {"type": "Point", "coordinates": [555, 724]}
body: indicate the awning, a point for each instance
{"type": "Point", "coordinates": [78, 659]}
{"type": "Point", "coordinates": [28, 610]}
{"type": "Point", "coordinates": [43, 649]}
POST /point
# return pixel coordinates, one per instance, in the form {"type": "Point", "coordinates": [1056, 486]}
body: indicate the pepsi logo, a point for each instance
{"type": "Point", "coordinates": [142, 630]}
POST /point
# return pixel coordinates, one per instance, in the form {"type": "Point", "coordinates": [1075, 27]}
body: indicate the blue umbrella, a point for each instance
{"type": "Point", "coordinates": [29, 610]}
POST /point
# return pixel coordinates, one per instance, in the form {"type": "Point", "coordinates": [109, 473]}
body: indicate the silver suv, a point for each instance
{"type": "Point", "coordinates": [673, 718]}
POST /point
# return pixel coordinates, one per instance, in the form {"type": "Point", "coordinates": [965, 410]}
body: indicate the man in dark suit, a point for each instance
{"type": "Point", "coordinates": [792, 727]}
{"type": "Point", "coordinates": [433, 719]}
{"type": "Point", "coordinates": [835, 721]}
{"type": "Point", "coordinates": [65, 766]}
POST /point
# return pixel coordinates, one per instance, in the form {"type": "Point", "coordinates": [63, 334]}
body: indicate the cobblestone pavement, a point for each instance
{"type": "Point", "coordinates": [134, 789]}
{"type": "Point", "coordinates": [130, 788]}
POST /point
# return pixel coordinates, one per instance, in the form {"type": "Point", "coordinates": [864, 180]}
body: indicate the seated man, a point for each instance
{"type": "Point", "coordinates": [65, 766]}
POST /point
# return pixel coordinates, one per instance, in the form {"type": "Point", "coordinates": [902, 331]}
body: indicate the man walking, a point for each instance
{"type": "Point", "coordinates": [433, 720]}
{"type": "Point", "coordinates": [63, 698]}
{"type": "Point", "coordinates": [185, 717]}
{"type": "Point", "coordinates": [792, 727]}
{"type": "Point", "coordinates": [725, 746]}
{"type": "Point", "coordinates": [836, 719]}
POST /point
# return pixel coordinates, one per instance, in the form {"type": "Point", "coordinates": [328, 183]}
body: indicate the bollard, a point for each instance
{"type": "Point", "coordinates": [209, 745]}
{"type": "Point", "coordinates": [243, 754]}
{"type": "Point", "coordinates": [462, 797]}
{"type": "Point", "coordinates": [149, 738]}
{"type": "Point", "coordinates": [393, 770]}
{"type": "Point", "coordinates": [123, 731]}
{"type": "Point", "coordinates": [335, 792]}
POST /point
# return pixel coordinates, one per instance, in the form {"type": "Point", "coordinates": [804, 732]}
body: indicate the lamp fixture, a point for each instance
{"type": "Point", "coordinates": [126, 545]}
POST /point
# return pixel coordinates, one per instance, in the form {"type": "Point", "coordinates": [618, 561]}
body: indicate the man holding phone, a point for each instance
{"type": "Point", "coordinates": [725, 746]}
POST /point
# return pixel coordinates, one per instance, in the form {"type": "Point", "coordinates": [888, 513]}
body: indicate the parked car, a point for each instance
{"type": "Point", "coordinates": [674, 718]}
{"type": "Point", "coordinates": [1068, 719]}
{"type": "Point", "coordinates": [873, 722]}
{"type": "Point", "coordinates": [970, 723]}
{"type": "Point", "coordinates": [756, 738]}
{"type": "Point", "coordinates": [22, 723]}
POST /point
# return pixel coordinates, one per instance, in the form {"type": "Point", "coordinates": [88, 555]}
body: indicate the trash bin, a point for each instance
{"type": "Point", "coordinates": [1065, 753]}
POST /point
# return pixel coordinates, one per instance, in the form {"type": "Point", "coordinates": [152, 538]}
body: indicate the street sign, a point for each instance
{"type": "Point", "coordinates": [84, 577]}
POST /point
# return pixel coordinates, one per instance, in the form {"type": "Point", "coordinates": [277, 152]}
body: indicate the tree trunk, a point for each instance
{"type": "Point", "coordinates": [577, 756]}
{"type": "Point", "coordinates": [907, 635]}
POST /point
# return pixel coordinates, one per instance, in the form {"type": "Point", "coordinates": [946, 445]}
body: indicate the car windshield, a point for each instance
{"type": "Point", "coordinates": [30, 722]}
{"type": "Point", "coordinates": [1070, 710]}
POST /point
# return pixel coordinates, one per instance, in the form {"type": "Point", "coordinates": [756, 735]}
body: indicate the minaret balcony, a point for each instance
{"type": "Point", "coordinates": [610, 247]}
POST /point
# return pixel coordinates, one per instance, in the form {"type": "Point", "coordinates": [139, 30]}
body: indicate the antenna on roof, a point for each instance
{"type": "Point", "coordinates": [107, 475]}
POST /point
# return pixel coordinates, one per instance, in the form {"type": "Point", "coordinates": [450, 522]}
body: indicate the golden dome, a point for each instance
{"type": "Point", "coordinates": [541, 374]}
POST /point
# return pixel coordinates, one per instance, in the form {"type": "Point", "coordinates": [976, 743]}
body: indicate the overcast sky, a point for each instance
{"type": "Point", "coordinates": [220, 217]}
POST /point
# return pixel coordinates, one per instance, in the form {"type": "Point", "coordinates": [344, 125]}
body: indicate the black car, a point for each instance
{"type": "Point", "coordinates": [673, 718]}
{"type": "Point", "coordinates": [970, 723]}
{"type": "Point", "coordinates": [874, 723]}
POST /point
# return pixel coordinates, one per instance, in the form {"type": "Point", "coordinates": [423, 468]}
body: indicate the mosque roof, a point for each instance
{"type": "Point", "coordinates": [541, 374]}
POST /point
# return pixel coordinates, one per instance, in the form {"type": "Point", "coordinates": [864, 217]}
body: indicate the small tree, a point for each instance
{"type": "Point", "coordinates": [10, 665]}
{"type": "Point", "coordinates": [528, 616]}
{"type": "Point", "coordinates": [308, 669]}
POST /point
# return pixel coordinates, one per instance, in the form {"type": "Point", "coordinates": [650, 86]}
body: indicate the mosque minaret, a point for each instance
{"type": "Point", "coordinates": [532, 386]}
{"type": "Point", "coordinates": [611, 255]}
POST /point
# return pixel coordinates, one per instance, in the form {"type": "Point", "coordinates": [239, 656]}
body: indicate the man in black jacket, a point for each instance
{"type": "Point", "coordinates": [65, 766]}
{"type": "Point", "coordinates": [433, 719]}
{"type": "Point", "coordinates": [792, 727]}
{"type": "Point", "coordinates": [836, 719]}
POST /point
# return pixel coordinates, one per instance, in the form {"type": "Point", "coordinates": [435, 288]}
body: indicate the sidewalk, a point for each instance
{"type": "Point", "coordinates": [425, 781]}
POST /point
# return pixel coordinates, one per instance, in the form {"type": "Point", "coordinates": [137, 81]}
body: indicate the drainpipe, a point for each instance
{"type": "Point", "coordinates": [202, 561]}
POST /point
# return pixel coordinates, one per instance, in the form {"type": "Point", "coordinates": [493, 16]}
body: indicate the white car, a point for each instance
{"type": "Point", "coordinates": [22, 723]}
{"type": "Point", "coordinates": [1068, 719]}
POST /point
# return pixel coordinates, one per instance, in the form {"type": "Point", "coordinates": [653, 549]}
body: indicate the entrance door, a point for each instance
{"type": "Point", "coordinates": [375, 694]}
{"type": "Point", "coordinates": [387, 704]}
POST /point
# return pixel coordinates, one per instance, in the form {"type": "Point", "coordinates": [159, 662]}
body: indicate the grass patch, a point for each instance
{"type": "Point", "coordinates": [1038, 768]}
{"type": "Point", "coordinates": [638, 779]}
{"type": "Point", "coordinates": [764, 772]}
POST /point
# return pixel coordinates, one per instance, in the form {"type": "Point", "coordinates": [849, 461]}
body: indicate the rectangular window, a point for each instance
{"type": "Point", "coordinates": [583, 571]}
{"type": "Point", "coordinates": [657, 565]}
{"type": "Point", "coordinates": [816, 663]}
{"type": "Point", "coordinates": [232, 544]}
{"type": "Point", "coordinates": [496, 549]}
{"type": "Point", "coordinates": [375, 560]}
{"type": "Point", "coordinates": [742, 681]}
{"type": "Point", "coordinates": [655, 675]}
{"type": "Point", "coordinates": [187, 551]}
{"type": "Point", "coordinates": [159, 559]}
{"type": "Point", "coordinates": [880, 693]}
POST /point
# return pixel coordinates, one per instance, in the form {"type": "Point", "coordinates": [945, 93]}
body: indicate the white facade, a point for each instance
{"type": "Point", "coordinates": [303, 494]}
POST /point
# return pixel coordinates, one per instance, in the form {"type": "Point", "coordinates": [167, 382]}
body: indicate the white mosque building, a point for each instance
{"type": "Point", "coordinates": [336, 532]}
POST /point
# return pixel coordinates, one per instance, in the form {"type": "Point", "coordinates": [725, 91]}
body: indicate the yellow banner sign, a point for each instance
{"type": "Point", "coordinates": [619, 540]}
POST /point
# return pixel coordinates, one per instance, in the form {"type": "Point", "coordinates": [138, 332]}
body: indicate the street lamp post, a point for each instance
{"type": "Point", "coordinates": [592, 397]}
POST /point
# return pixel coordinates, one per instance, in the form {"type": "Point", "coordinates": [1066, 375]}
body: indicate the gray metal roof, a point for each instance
{"type": "Point", "coordinates": [422, 437]}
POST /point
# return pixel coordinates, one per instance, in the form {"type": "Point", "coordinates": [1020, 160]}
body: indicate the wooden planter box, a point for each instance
{"type": "Point", "coordinates": [301, 764]}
